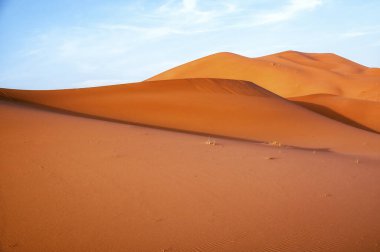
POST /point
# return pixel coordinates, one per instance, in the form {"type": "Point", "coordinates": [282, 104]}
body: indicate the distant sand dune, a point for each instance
{"type": "Point", "coordinates": [287, 74]}
{"type": "Point", "coordinates": [322, 82]}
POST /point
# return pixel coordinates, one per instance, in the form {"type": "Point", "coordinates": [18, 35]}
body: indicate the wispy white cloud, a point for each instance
{"type": "Point", "coordinates": [190, 12]}
{"type": "Point", "coordinates": [287, 12]}
{"type": "Point", "coordinates": [151, 32]}
{"type": "Point", "coordinates": [189, 5]}
{"type": "Point", "coordinates": [354, 34]}
{"type": "Point", "coordinates": [171, 18]}
{"type": "Point", "coordinates": [190, 17]}
{"type": "Point", "coordinates": [186, 17]}
{"type": "Point", "coordinates": [364, 31]}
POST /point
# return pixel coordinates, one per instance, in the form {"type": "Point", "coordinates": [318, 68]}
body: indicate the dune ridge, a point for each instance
{"type": "Point", "coordinates": [230, 108]}
{"type": "Point", "coordinates": [287, 74]}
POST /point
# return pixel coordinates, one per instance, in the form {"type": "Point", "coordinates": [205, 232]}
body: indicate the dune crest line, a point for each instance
{"type": "Point", "coordinates": [231, 108]}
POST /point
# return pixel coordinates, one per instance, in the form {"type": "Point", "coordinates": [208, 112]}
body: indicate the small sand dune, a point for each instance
{"type": "Point", "coordinates": [287, 73]}
{"type": "Point", "coordinates": [230, 108]}
{"type": "Point", "coordinates": [358, 113]}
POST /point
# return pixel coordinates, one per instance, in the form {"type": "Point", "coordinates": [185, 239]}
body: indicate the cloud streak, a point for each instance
{"type": "Point", "coordinates": [188, 17]}
{"type": "Point", "coordinates": [362, 32]}
{"type": "Point", "coordinates": [289, 11]}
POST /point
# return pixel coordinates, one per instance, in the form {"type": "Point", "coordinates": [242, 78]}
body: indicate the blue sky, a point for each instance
{"type": "Point", "coordinates": [49, 44]}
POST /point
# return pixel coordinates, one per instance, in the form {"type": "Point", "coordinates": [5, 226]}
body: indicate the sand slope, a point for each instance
{"type": "Point", "coordinates": [358, 113]}
{"type": "Point", "coordinates": [75, 184]}
{"type": "Point", "coordinates": [229, 108]}
{"type": "Point", "coordinates": [287, 74]}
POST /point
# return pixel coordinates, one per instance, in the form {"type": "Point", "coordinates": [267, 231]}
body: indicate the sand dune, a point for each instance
{"type": "Point", "coordinates": [287, 74]}
{"type": "Point", "coordinates": [73, 184]}
{"type": "Point", "coordinates": [358, 113]}
{"type": "Point", "coordinates": [237, 109]}
{"type": "Point", "coordinates": [325, 83]}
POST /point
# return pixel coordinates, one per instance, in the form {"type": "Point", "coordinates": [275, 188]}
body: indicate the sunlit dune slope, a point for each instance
{"type": "Point", "coordinates": [229, 108]}
{"type": "Point", "coordinates": [358, 113]}
{"type": "Point", "coordinates": [287, 74]}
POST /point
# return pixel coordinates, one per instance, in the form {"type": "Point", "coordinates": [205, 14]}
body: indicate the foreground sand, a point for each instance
{"type": "Point", "coordinates": [70, 183]}
{"type": "Point", "coordinates": [76, 184]}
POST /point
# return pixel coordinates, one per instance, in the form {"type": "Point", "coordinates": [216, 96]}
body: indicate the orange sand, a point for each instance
{"type": "Point", "coordinates": [75, 184]}
{"type": "Point", "coordinates": [322, 82]}
{"type": "Point", "coordinates": [229, 108]}
{"type": "Point", "coordinates": [288, 73]}
{"type": "Point", "coordinates": [358, 113]}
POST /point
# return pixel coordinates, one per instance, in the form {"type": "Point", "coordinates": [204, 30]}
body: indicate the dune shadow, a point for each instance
{"type": "Point", "coordinates": [95, 117]}
{"type": "Point", "coordinates": [285, 146]}
{"type": "Point", "coordinates": [108, 119]}
{"type": "Point", "coordinates": [326, 111]}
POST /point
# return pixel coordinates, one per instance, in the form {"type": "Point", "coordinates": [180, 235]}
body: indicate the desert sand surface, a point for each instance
{"type": "Point", "coordinates": [229, 108]}
{"type": "Point", "coordinates": [70, 183]}
{"type": "Point", "coordinates": [288, 73]}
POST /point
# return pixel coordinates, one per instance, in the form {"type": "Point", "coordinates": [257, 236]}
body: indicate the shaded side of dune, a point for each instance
{"type": "Point", "coordinates": [358, 113]}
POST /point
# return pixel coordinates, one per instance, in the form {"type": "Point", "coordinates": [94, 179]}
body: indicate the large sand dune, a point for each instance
{"type": "Point", "coordinates": [237, 109]}
{"type": "Point", "coordinates": [328, 84]}
{"type": "Point", "coordinates": [287, 74]}
{"type": "Point", "coordinates": [74, 184]}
